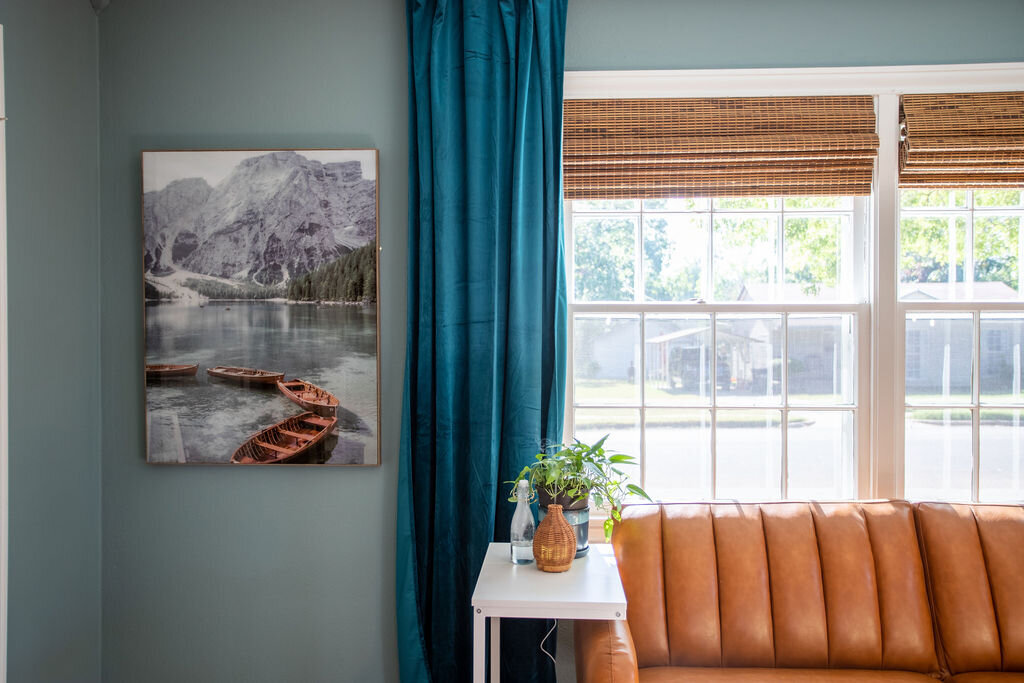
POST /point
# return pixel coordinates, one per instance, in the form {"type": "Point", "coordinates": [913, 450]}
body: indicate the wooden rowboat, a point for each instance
{"type": "Point", "coordinates": [245, 375]}
{"type": "Point", "coordinates": [284, 441]}
{"type": "Point", "coordinates": [159, 371]}
{"type": "Point", "coordinates": [310, 397]}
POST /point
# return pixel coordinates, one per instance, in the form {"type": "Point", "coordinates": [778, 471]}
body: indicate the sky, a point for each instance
{"type": "Point", "coordinates": [160, 168]}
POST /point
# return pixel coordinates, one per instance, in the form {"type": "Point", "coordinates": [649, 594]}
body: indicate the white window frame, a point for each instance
{"type": "Point", "coordinates": [975, 308]}
{"type": "Point", "coordinates": [860, 309]}
{"type": "Point", "coordinates": [880, 378]}
{"type": "Point", "coordinates": [4, 527]}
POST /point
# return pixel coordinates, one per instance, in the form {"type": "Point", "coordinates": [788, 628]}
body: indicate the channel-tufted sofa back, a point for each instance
{"type": "Point", "coordinates": [975, 561]}
{"type": "Point", "coordinates": [788, 585]}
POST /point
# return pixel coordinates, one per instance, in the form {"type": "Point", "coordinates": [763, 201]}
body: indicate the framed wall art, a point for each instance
{"type": "Point", "coordinates": [260, 280]}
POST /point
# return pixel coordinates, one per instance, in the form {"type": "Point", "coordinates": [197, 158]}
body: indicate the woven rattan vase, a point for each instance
{"type": "Point", "coordinates": [554, 544]}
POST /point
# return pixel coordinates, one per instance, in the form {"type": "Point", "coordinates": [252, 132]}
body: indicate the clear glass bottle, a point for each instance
{"type": "Point", "coordinates": [523, 526]}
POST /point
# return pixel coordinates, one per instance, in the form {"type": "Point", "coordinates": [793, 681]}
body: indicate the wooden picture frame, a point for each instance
{"type": "Point", "coordinates": [260, 306]}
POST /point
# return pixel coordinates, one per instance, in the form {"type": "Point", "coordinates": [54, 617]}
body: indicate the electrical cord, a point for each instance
{"type": "Point", "coordinates": [544, 639]}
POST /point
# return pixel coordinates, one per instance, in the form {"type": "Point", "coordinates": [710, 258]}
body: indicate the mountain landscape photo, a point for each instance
{"type": "Point", "coordinates": [260, 287]}
{"type": "Point", "coordinates": [275, 217]}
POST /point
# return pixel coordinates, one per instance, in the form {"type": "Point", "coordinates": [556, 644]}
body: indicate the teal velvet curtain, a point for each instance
{"type": "Point", "coordinates": [485, 362]}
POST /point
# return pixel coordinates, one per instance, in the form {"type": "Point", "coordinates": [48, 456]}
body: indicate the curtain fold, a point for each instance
{"type": "Point", "coordinates": [485, 360]}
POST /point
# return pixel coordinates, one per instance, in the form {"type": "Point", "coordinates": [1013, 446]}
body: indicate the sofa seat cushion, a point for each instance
{"type": "Point", "coordinates": [686, 674]}
{"type": "Point", "coordinates": [988, 677]}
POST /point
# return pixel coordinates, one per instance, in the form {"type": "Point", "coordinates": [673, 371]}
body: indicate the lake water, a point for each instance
{"type": "Point", "coordinates": [204, 419]}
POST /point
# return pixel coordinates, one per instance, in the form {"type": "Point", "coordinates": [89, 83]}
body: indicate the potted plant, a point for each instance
{"type": "Point", "coordinates": [573, 475]}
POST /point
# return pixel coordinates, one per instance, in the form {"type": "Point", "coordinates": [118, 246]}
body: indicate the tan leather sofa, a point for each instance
{"type": "Point", "coordinates": [813, 592]}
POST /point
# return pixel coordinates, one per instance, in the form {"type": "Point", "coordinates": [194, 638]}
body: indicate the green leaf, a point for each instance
{"type": "Point", "coordinates": [609, 526]}
{"type": "Point", "coordinates": [637, 491]}
{"type": "Point", "coordinates": [621, 458]}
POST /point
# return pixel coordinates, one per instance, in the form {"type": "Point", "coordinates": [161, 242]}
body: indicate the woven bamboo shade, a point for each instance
{"type": "Point", "coordinates": [720, 147]}
{"type": "Point", "coordinates": [962, 140]}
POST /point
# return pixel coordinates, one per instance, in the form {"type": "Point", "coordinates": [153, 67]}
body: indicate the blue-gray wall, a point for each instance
{"type": "Point", "coordinates": [719, 34]}
{"type": "Point", "coordinates": [53, 281]}
{"type": "Point", "coordinates": [251, 574]}
{"type": "Point", "coordinates": [216, 574]}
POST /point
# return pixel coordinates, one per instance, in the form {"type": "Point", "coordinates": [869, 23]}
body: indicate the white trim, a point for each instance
{"type": "Point", "coordinates": [4, 526]}
{"type": "Point", "coordinates": [569, 417]}
{"type": "Point", "coordinates": [870, 80]}
{"type": "Point", "coordinates": [886, 339]}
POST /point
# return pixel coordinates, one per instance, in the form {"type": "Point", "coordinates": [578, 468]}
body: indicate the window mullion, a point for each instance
{"type": "Point", "coordinates": [641, 375]}
{"type": "Point", "coordinates": [784, 371]}
{"type": "Point", "coordinates": [709, 281]}
{"type": "Point", "coordinates": [780, 256]}
{"type": "Point", "coordinates": [887, 395]}
{"type": "Point", "coordinates": [969, 248]}
{"type": "Point", "coordinates": [714, 405]}
{"type": "Point", "coordinates": [569, 413]}
{"type": "Point", "coordinates": [975, 408]}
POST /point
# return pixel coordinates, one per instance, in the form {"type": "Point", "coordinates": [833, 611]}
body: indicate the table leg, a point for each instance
{"type": "Point", "coordinates": [479, 647]}
{"type": "Point", "coordinates": [495, 649]}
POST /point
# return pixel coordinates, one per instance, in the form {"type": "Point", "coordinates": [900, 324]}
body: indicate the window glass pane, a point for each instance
{"type": "Point", "coordinates": [1002, 341]}
{"type": "Point", "coordinates": [939, 358]}
{"type": "Point", "coordinates": [938, 454]}
{"type": "Point", "coordinates": [813, 245]}
{"type": "Point", "coordinates": [996, 257]}
{"type": "Point", "coordinates": [745, 257]}
{"type": "Point", "coordinates": [606, 355]}
{"type": "Point", "coordinates": [748, 359]}
{"type": "Point", "coordinates": [1002, 461]}
{"type": "Point", "coordinates": [821, 359]}
{"type": "Point", "coordinates": [800, 203]}
{"type": "Point", "coordinates": [622, 427]}
{"type": "Point", "coordinates": [749, 445]}
{"type": "Point", "coordinates": [763, 249]}
{"type": "Point", "coordinates": [678, 357]}
{"type": "Point", "coordinates": [932, 257]}
{"type": "Point", "coordinates": [675, 256]}
{"type": "Point", "coordinates": [933, 199]}
{"type": "Point", "coordinates": [604, 258]}
{"type": "Point", "coordinates": [997, 198]}
{"type": "Point", "coordinates": [820, 460]}
{"type": "Point", "coordinates": [678, 463]}
{"type": "Point", "coordinates": [678, 204]}
{"type": "Point", "coordinates": [742, 203]}
{"type": "Point", "coordinates": [582, 205]}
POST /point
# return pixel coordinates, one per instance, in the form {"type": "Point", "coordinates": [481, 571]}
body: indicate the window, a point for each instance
{"type": "Point", "coordinates": [682, 311]}
{"type": "Point", "coordinates": [712, 339]}
{"type": "Point", "coordinates": [963, 306]}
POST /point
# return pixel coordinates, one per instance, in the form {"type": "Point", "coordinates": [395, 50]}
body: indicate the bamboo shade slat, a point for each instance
{"type": "Point", "coordinates": [716, 147]}
{"type": "Point", "coordinates": [955, 140]}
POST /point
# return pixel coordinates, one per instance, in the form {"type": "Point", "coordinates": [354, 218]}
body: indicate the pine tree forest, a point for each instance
{"type": "Point", "coordinates": [351, 278]}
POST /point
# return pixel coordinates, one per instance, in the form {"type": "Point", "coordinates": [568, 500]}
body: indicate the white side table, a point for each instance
{"type": "Point", "coordinates": [591, 589]}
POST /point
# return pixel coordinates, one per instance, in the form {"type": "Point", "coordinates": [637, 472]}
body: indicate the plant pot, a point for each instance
{"type": "Point", "coordinates": [565, 500]}
{"type": "Point", "coordinates": [576, 513]}
{"type": "Point", "coordinates": [554, 543]}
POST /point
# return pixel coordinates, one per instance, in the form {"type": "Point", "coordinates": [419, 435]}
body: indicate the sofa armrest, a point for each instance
{"type": "Point", "coordinates": [604, 652]}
